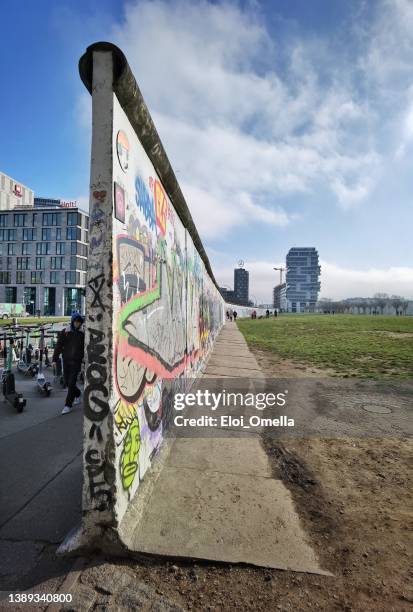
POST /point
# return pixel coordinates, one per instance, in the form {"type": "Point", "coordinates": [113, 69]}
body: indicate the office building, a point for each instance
{"type": "Point", "coordinates": [302, 279]}
{"type": "Point", "coordinates": [13, 193]}
{"type": "Point", "coordinates": [280, 297]}
{"type": "Point", "coordinates": [43, 258]}
{"type": "Point", "coordinates": [241, 286]}
{"type": "Point", "coordinates": [227, 294]}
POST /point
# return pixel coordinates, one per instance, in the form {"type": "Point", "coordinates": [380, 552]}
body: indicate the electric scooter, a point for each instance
{"type": "Point", "coordinates": [25, 365]}
{"type": "Point", "coordinates": [43, 385]}
{"type": "Point", "coordinates": [8, 384]}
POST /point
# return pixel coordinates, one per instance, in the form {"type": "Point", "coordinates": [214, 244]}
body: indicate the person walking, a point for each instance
{"type": "Point", "coordinates": [235, 315]}
{"type": "Point", "coordinates": [71, 345]}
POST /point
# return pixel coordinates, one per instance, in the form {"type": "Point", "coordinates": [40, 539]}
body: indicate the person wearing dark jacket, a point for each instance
{"type": "Point", "coordinates": [71, 345]}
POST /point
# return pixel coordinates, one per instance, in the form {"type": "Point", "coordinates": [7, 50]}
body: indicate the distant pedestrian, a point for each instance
{"type": "Point", "coordinates": [235, 315]}
{"type": "Point", "coordinates": [71, 345]}
{"type": "Point", "coordinates": [267, 313]}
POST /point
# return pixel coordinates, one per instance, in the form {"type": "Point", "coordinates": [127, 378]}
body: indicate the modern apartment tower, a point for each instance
{"type": "Point", "coordinates": [302, 279]}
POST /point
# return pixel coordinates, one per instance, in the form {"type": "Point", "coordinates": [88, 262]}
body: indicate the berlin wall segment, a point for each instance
{"type": "Point", "coordinates": [153, 309]}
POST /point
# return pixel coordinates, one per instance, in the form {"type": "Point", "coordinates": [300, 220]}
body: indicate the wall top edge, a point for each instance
{"type": "Point", "coordinates": [130, 98]}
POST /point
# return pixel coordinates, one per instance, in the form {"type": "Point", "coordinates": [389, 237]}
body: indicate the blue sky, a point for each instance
{"type": "Point", "coordinates": [288, 123]}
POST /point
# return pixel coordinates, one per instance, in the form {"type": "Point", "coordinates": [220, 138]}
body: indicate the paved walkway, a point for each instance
{"type": "Point", "coordinates": [215, 497]}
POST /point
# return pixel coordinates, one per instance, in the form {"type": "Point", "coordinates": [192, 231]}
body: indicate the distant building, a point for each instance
{"type": "Point", "coordinates": [241, 286]}
{"type": "Point", "coordinates": [280, 297]}
{"type": "Point", "coordinates": [227, 294]}
{"type": "Point", "coordinates": [13, 193]}
{"type": "Point", "coordinates": [46, 203]}
{"type": "Point", "coordinates": [43, 258]}
{"type": "Point", "coordinates": [302, 279]}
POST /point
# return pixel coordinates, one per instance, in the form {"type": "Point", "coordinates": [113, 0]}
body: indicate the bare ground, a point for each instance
{"type": "Point", "coordinates": [355, 500]}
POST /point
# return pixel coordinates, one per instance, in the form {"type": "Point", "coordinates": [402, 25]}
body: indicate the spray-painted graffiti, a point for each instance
{"type": "Point", "coordinates": [161, 293]}
{"type": "Point", "coordinates": [144, 201]}
{"type": "Point", "coordinates": [167, 312]}
{"type": "Point", "coordinates": [96, 395]}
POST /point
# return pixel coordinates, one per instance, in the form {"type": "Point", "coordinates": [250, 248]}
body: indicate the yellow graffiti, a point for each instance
{"type": "Point", "coordinates": [130, 454]}
{"type": "Point", "coordinates": [124, 414]}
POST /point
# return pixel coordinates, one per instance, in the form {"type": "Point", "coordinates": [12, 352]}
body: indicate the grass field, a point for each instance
{"type": "Point", "coordinates": [362, 346]}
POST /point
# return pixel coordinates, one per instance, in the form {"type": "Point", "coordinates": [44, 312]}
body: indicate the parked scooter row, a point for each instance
{"type": "Point", "coordinates": [17, 346]}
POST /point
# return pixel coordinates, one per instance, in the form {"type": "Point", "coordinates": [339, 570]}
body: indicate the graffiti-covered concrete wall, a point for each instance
{"type": "Point", "coordinates": [153, 307]}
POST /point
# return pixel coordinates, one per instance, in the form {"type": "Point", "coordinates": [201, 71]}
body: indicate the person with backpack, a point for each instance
{"type": "Point", "coordinates": [71, 345]}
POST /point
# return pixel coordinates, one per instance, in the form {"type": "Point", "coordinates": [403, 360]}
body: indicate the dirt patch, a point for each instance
{"type": "Point", "coordinates": [398, 335]}
{"type": "Point", "coordinates": [274, 366]}
{"type": "Point", "coordinates": [354, 498]}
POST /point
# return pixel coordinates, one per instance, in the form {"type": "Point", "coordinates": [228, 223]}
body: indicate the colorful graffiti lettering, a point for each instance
{"type": "Point", "coordinates": [144, 201]}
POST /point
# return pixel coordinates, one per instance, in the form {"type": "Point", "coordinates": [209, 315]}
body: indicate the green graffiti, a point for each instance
{"type": "Point", "coordinates": [142, 301]}
{"type": "Point", "coordinates": [130, 454]}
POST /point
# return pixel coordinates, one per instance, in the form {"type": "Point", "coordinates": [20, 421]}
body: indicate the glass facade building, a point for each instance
{"type": "Point", "coordinates": [302, 279]}
{"type": "Point", "coordinates": [43, 258]}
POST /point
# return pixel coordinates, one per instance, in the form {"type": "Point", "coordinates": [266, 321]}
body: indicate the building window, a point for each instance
{"type": "Point", "coordinates": [72, 278]}
{"type": "Point", "coordinates": [77, 263]}
{"type": "Point", "coordinates": [57, 263]}
{"type": "Point", "coordinates": [43, 248]}
{"type": "Point", "coordinates": [5, 278]}
{"type": "Point", "coordinates": [60, 248]}
{"type": "Point", "coordinates": [20, 219]}
{"type": "Point", "coordinates": [29, 234]}
{"type": "Point", "coordinates": [47, 233]}
{"type": "Point", "coordinates": [34, 219]}
{"type": "Point", "coordinates": [9, 263]}
{"type": "Point", "coordinates": [20, 277]}
{"type": "Point", "coordinates": [3, 220]}
{"type": "Point", "coordinates": [11, 295]}
{"type": "Point", "coordinates": [23, 263]}
{"type": "Point", "coordinates": [12, 248]}
{"type": "Point", "coordinates": [36, 278]}
{"type": "Point", "coordinates": [58, 233]}
{"type": "Point", "coordinates": [52, 218]}
{"type": "Point", "coordinates": [72, 218]}
{"type": "Point", "coordinates": [40, 263]}
{"type": "Point", "coordinates": [54, 278]}
{"type": "Point", "coordinates": [25, 249]}
{"type": "Point", "coordinates": [73, 233]}
{"type": "Point", "coordinates": [8, 234]}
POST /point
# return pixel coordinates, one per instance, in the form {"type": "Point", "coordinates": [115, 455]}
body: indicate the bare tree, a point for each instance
{"type": "Point", "coordinates": [396, 302]}
{"type": "Point", "coordinates": [381, 300]}
{"type": "Point", "coordinates": [404, 306]}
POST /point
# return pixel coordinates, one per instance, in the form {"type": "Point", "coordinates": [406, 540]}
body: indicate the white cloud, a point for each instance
{"type": "Point", "coordinates": [336, 282]}
{"type": "Point", "coordinates": [241, 130]}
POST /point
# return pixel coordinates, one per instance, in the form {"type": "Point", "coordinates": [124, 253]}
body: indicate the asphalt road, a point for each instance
{"type": "Point", "coordinates": [40, 486]}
